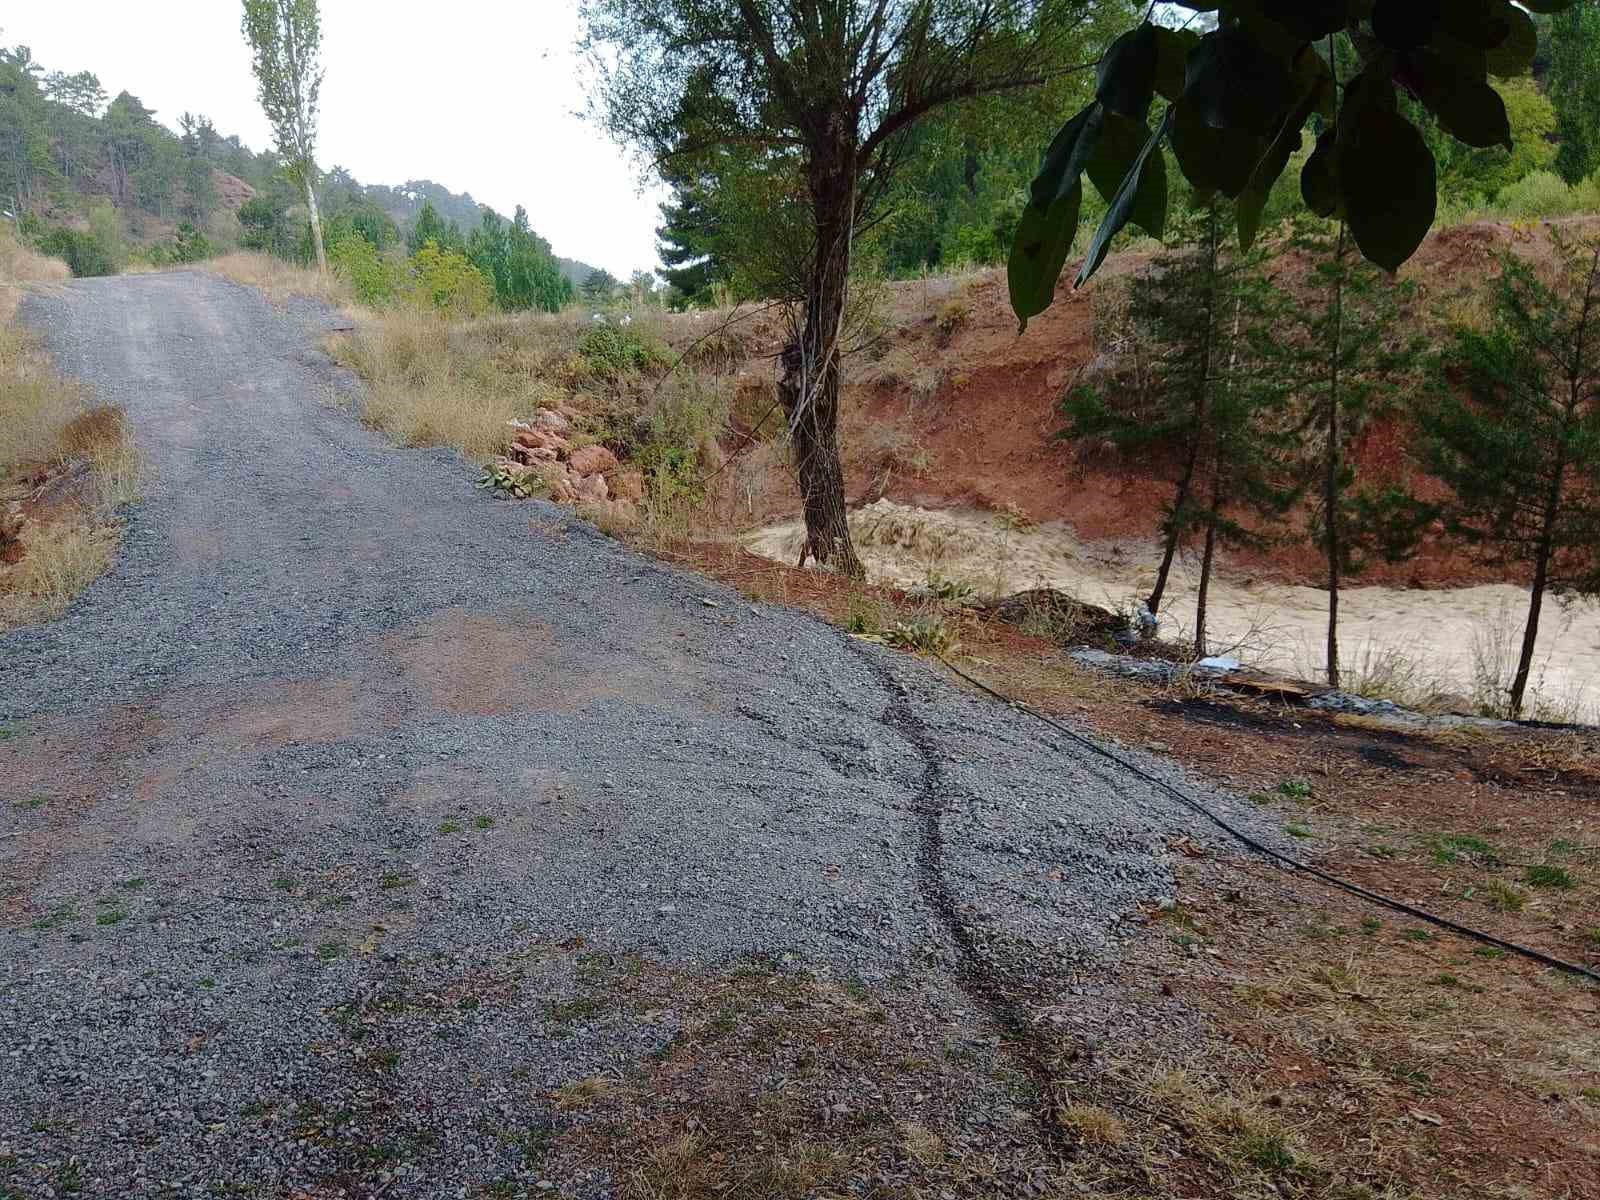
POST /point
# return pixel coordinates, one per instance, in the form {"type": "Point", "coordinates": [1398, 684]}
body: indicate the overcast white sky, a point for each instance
{"type": "Point", "coordinates": [479, 95]}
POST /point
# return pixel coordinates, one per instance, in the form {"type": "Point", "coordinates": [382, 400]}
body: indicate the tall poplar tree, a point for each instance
{"type": "Point", "coordinates": [1574, 83]}
{"type": "Point", "coordinates": [285, 39]}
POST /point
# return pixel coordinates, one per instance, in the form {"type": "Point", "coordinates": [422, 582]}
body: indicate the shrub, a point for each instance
{"type": "Point", "coordinates": [446, 280]}
{"type": "Point", "coordinates": [613, 350]}
{"type": "Point", "coordinates": [82, 252]}
{"type": "Point", "coordinates": [1543, 194]}
{"type": "Point", "coordinates": [373, 277]}
{"type": "Point", "coordinates": [264, 223]}
{"type": "Point", "coordinates": [189, 245]}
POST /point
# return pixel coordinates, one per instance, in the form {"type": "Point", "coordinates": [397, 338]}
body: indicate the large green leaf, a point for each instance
{"type": "Point", "coordinates": [1515, 55]}
{"type": "Point", "coordinates": [1233, 83]}
{"type": "Point", "coordinates": [1066, 156]}
{"type": "Point", "coordinates": [1319, 178]}
{"type": "Point", "coordinates": [1149, 165]}
{"type": "Point", "coordinates": [1388, 181]}
{"type": "Point", "coordinates": [1039, 252]}
{"type": "Point", "coordinates": [1126, 79]}
{"type": "Point", "coordinates": [1405, 24]}
{"type": "Point", "coordinates": [1253, 199]}
{"type": "Point", "coordinates": [1172, 59]}
{"type": "Point", "coordinates": [1121, 143]}
{"type": "Point", "coordinates": [1309, 19]}
{"type": "Point", "coordinates": [1219, 160]}
{"type": "Point", "coordinates": [1454, 89]}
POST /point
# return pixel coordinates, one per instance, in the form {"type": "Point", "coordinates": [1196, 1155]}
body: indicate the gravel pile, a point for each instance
{"type": "Point", "coordinates": [342, 735]}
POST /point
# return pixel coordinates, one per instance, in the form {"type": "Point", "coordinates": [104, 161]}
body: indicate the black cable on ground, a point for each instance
{"type": "Point", "coordinates": [1266, 851]}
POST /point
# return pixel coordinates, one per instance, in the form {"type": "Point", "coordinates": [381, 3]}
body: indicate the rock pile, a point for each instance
{"type": "Point", "coordinates": [589, 475]}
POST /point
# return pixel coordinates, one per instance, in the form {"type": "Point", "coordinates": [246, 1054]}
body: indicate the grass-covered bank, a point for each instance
{"type": "Point", "coordinates": [66, 464]}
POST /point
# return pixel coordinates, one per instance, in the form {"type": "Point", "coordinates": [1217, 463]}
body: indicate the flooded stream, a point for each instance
{"type": "Point", "coordinates": [1450, 642]}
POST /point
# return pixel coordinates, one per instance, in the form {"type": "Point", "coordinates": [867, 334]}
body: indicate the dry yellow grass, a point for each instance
{"type": "Point", "coordinates": [36, 404]}
{"type": "Point", "coordinates": [433, 384]}
{"type": "Point", "coordinates": [45, 421]}
{"type": "Point", "coordinates": [278, 280]}
{"type": "Point", "coordinates": [63, 558]}
{"type": "Point", "coordinates": [20, 266]}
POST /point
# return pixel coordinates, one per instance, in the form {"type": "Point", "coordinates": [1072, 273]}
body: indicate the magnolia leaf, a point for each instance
{"type": "Point", "coordinates": [1172, 59]}
{"type": "Point", "coordinates": [1309, 19]}
{"type": "Point", "coordinates": [1064, 160]}
{"type": "Point", "coordinates": [1234, 84]}
{"type": "Point", "coordinates": [1126, 79]}
{"type": "Point", "coordinates": [1213, 159]}
{"type": "Point", "coordinates": [1039, 251]}
{"type": "Point", "coordinates": [1121, 143]}
{"type": "Point", "coordinates": [1319, 178]}
{"type": "Point", "coordinates": [1388, 181]}
{"type": "Point", "coordinates": [1127, 199]}
{"type": "Point", "coordinates": [1514, 56]}
{"type": "Point", "coordinates": [1405, 24]}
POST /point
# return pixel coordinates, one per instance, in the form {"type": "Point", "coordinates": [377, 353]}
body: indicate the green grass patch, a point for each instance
{"type": "Point", "coordinates": [1502, 897]}
{"type": "Point", "coordinates": [1451, 848]}
{"type": "Point", "coordinates": [1545, 875]}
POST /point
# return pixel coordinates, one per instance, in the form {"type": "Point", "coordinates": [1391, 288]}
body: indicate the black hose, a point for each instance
{"type": "Point", "coordinates": [1331, 880]}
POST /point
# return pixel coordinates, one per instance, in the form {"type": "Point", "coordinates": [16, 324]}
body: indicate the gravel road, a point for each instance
{"type": "Point", "coordinates": [338, 724]}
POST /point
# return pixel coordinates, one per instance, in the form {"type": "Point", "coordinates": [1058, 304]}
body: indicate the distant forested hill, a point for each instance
{"type": "Point", "coordinates": [69, 155]}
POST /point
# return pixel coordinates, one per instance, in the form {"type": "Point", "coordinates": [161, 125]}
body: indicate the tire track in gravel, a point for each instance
{"type": "Point", "coordinates": [977, 975]}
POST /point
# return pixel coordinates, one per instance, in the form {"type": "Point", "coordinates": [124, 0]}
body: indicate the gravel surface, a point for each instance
{"type": "Point", "coordinates": [341, 727]}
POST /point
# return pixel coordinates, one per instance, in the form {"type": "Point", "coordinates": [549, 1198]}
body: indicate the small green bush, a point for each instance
{"type": "Point", "coordinates": [82, 252]}
{"type": "Point", "coordinates": [613, 350]}
{"type": "Point", "coordinates": [446, 280]}
{"type": "Point", "coordinates": [189, 245]}
{"type": "Point", "coordinates": [374, 278]}
{"type": "Point", "coordinates": [1543, 194]}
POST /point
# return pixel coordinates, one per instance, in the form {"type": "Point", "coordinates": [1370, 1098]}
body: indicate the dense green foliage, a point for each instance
{"type": "Point", "coordinates": [1574, 80]}
{"type": "Point", "coordinates": [524, 273]}
{"type": "Point", "coordinates": [83, 253]}
{"type": "Point", "coordinates": [1236, 100]}
{"type": "Point", "coordinates": [1519, 443]}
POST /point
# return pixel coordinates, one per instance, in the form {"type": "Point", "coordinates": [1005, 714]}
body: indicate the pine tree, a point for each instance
{"type": "Point", "coordinates": [1346, 348]}
{"type": "Point", "coordinates": [1521, 449]}
{"type": "Point", "coordinates": [686, 239]}
{"type": "Point", "coordinates": [1201, 400]}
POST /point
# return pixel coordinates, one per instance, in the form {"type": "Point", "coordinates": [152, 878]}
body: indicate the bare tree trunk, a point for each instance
{"type": "Point", "coordinates": [809, 386]}
{"type": "Point", "coordinates": [1334, 460]}
{"type": "Point", "coordinates": [1205, 587]}
{"type": "Point", "coordinates": [1180, 499]}
{"type": "Point", "coordinates": [316, 220]}
{"type": "Point", "coordinates": [1208, 557]}
{"type": "Point", "coordinates": [1541, 580]}
{"type": "Point", "coordinates": [1530, 631]}
{"type": "Point", "coordinates": [1174, 531]}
